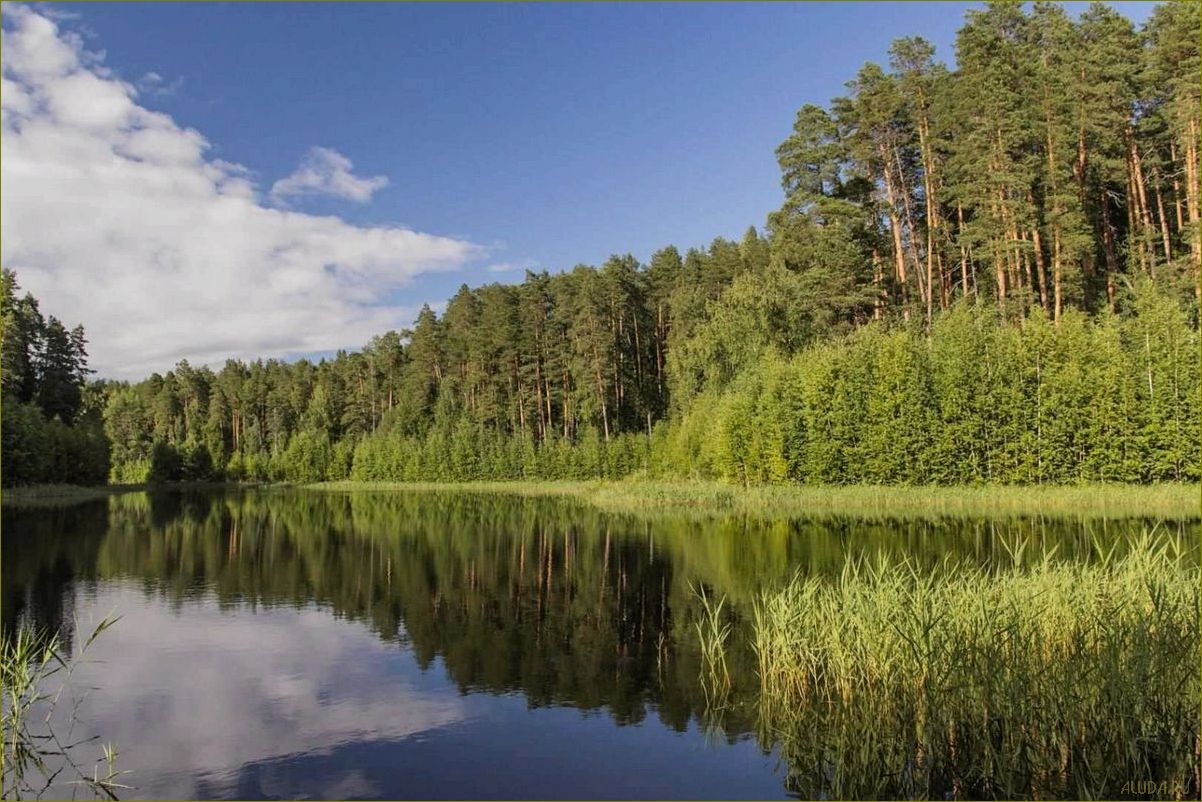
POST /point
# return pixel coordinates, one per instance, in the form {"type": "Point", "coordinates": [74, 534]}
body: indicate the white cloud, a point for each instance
{"type": "Point", "coordinates": [327, 172]}
{"type": "Point", "coordinates": [509, 267]}
{"type": "Point", "coordinates": [114, 216]}
{"type": "Point", "coordinates": [155, 84]}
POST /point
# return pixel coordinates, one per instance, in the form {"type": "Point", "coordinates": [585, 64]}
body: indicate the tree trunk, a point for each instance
{"type": "Point", "coordinates": [963, 251]}
{"type": "Point", "coordinates": [1112, 266]}
{"type": "Point", "coordinates": [1057, 263]}
{"type": "Point", "coordinates": [934, 255]}
{"type": "Point", "coordinates": [1164, 221]}
{"type": "Point", "coordinates": [1191, 200]}
{"type": "Point", "coordinates": [1176, 188]}
{"type": "Point", "coordinates": [1040, 267]}
{"type": "Point", "coordinates": [878, 275]}
{"type": "Point", "coordinates": [924, 287]}
{"type": "Point", "coordinates": [899, 257]}
{"type": "Point", "coordinates": [1141, 200]}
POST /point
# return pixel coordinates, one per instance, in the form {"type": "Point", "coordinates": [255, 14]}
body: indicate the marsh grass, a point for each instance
{"type": "Point", "coordinates": [713, 633]}
{"type": "Point", "coordinates": [1038, 679]}
{"type": "Point", "coordinates": [37, 752]}
{"type": "Point", "coordinates": [50, 495]}
{"type": "Point", "coordinates": [1096, 501]}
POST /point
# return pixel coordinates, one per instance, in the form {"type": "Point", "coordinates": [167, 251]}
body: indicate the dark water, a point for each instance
{"type": "Point", "coordinates": [293, 644]}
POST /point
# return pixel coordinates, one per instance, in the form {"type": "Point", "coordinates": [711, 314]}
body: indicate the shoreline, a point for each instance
{"type": "Point", "coordinates": [1168, 501]}
{"type": "Point", "coordinates": [1177, 501]}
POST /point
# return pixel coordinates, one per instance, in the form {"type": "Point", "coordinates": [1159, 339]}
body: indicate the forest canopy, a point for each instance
{"type": "Point", "coordinates": [981, 273]}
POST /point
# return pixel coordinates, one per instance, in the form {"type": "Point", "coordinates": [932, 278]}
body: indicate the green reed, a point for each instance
{"type": "Point", "coordinates": [713, 632]}
{"type": "Point", "coordinates": [1167, 501]}
{"type": "Point", "coordinates": [38, 749]}
{"type": "Point", "coordinates": [1040, 679]}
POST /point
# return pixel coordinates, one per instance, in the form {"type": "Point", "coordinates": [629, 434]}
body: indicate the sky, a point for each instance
{"type": "Point", "coordinates": [206, 181]}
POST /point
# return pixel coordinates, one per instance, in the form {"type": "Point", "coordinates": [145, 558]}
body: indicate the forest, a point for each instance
{"type": "Point", "coordinates": [986, 273]}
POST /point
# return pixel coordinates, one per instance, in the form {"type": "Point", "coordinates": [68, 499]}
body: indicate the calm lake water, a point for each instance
{"type": "Point", "coordinates": [292, 644]}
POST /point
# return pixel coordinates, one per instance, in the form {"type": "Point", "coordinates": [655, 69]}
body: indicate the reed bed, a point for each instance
{"type": "Point", "coordinates": [1169, 501]}
{"type": "Point", "coordinates": [1043, 679]}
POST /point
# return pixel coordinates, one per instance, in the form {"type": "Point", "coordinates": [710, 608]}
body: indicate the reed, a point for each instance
{"type": "Point", "coordinates": [38, 751]}
{"type": "Point", "coordinates": [1039, 679]}
{"type": "Point", "coordinates": [1092, 501]}
{"type": "Point", "coordinates": [713, 632]}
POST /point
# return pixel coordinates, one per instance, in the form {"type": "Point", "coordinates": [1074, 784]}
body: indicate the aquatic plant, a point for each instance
{"type": "Point", "coordinates": [38, 750]}
{"type": "Point", "coordinates": [713, 631]}
{"type": "Point", "coordinates": [1177, 501]}
{"type": "Point", "coordinates": [1042, 678]}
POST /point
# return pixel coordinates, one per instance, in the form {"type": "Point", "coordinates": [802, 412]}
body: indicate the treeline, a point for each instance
{"type": "Point", "coordinates": [1110, 399]}
{"type": "Point", "coordinates": [555, 361]}
{"type": "Point", "coordinates": [50, 420]}
{"type": "Point", "coordinates": [1038, 203]}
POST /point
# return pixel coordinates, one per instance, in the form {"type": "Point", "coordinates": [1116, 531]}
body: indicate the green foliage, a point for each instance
{"type": "Point", "coordinates": [51, 429]}
{"type": "Point", "coordinates": [983, 683]}
{"type": "Point", "coordinates": [41, 451]}
{"type": "Point", "coordinates": [986, 273]}
{"type": "Point", "coordinates": [976, 400]}
{"type": "Point", "coordinates": [24, 443]}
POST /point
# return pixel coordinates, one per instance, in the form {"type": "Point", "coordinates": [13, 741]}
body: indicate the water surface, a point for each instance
{"type": "Point", "coordinates": [292, 644]}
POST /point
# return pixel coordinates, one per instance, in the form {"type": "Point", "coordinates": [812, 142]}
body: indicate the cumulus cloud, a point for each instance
{"type": "Point", "coordinates": [115, 216]}
{"type": "Point", "coordinates": [327, 172]}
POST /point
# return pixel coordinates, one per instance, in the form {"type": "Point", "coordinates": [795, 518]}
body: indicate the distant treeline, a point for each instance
{"type": "Point", "coordinates": [988, 273]}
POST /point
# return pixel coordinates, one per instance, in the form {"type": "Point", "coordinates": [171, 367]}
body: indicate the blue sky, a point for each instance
{"type": "Point", "coordinates": [560, 133]}
{"type": "Point", "coordinates": [550, 135]}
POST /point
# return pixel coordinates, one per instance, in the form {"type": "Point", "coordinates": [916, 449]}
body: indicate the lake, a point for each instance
{"type": "Point", "coordinates": [283, 643]}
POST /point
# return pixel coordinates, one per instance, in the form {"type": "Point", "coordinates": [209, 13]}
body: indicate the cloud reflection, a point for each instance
{"type": "Point", "coordinates": [296, 681]}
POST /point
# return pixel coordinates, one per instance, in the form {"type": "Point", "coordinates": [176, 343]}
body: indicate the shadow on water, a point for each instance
{"type": "Point", "coordinates": [545, 603]}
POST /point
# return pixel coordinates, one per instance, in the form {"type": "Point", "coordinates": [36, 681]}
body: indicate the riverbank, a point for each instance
{"type": "Point", "coordinates": [1161, 501]}
{"type": "Point", "coordinates": [1095, 501]}
{"type": "Point", "coordinates": [66, 495]}
{"type": "Point", "coordinates": [51, 495]}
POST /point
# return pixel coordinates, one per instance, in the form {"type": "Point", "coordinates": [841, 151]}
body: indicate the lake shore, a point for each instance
{"type": "Point", "coordinates": [1177, 501]}
{"type": "Point", "coordinates": [65, 495]}
{"type": "Point", "coordinates": [51, 495]}
{"type": "Point", "coordinates": [1169, 501]}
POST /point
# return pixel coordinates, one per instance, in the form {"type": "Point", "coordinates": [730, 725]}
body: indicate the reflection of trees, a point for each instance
{"type": "Point", "coordinates": [45, 550]}
{"type": "Point", "coordinates": [558, 601]}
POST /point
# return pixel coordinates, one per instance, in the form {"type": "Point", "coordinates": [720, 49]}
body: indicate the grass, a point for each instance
{"type": "Point", "coordinates": [713, 632]}
{"type": "Point", "coordinates": [1063, 679]}
{"type": "Point", "coordinates": [50, 495]}
{"type": "Point", "coordinates": [1162, 501]}
{"type": "Point", "coordinates": [66, 495]}
{"type": "Point", "coordinates": [1169, 501]}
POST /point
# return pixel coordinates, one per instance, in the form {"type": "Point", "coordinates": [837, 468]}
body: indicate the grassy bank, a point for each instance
{"type": "Point", "coordinates": [1062, 680]}
{"type": "Point", "coordinates": [51, 495]}
{"type": "Point", "coordinates": [1167, 501]}
{"type": "Point", "coordinates": [1164, 501]}
{"type": "Point", "coordinates": [65, 495]}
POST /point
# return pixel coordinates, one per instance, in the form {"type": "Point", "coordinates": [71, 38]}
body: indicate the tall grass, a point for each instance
{"type": "Point", "coordinates": [1035, 680]}
{"type": "Point", "coordinates": [713, 632]}
{"type": "Point", "coordinates": [1170, 501]}
{"type": "Point", "coordinates": [50, 495]}
{"type": "Point", "coordinates": [38, 749]}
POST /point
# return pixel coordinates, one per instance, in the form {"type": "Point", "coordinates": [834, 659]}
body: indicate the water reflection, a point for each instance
{"type": "Point", "coordinates": [260, 654]}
